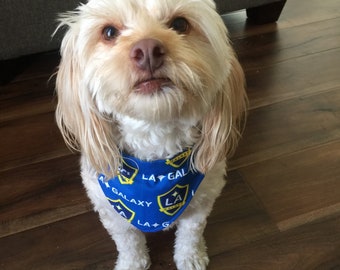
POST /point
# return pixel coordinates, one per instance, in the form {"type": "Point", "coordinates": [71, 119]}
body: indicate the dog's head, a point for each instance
{"type": "Point", "coordinates": [151, 60]}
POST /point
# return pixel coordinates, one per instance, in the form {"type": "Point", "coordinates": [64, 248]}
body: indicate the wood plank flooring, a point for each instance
{"type": "Point", "coordinates": [281, 207]}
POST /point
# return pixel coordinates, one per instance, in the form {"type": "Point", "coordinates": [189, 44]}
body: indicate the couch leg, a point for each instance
{"type": "Point", "coordinates": [265, 14]}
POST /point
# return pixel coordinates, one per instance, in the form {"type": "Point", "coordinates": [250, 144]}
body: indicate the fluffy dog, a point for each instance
{"type": "Point", "coordinates": [153, 96]}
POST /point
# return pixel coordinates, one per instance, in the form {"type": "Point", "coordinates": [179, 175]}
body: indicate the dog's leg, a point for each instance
{"type": "Point", "coordinates": [190, 248]}
{"type": "Point", "coordinates": [130, 242]}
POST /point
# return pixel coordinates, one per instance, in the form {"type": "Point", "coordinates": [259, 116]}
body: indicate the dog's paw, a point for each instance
{"type": "Point", "coordinates": [142, 263]}
{"type": "Point", "coordinates": [195, 262]}
{"type": "Point", "coordinates": [192, 258]}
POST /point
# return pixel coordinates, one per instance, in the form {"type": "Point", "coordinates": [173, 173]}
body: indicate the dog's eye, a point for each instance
{"type": "Point", "coordinates": [180, 25]}
{"type": "Point", "coordinates": [110, 32]}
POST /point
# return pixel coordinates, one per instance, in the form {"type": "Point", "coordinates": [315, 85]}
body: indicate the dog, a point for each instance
{"type": "Point", "coordinates": [152, 95]}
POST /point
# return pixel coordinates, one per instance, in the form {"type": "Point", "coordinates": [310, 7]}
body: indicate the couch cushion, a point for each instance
{"type": "Point", "coordinates": [26, 26]}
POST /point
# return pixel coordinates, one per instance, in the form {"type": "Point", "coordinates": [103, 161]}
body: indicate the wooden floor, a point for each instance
{"type": "Point", "coordinates": [281, 207]}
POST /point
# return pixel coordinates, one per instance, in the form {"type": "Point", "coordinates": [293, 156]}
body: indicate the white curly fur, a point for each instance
{"type": "Point", "coordinates": [101, 111]}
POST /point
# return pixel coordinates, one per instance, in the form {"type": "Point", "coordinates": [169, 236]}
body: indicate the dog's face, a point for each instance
{"type": "Point", "coordinates": [157, 61]}
{"type": "Point", "coordinates": [153, 60]}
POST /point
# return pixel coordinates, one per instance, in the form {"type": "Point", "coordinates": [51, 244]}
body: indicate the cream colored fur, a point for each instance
{"type": "Point", "coordinates": [100, 113]}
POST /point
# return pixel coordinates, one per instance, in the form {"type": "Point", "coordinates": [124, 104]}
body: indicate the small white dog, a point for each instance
{"type": "Point", "coordinates": [152, 95]}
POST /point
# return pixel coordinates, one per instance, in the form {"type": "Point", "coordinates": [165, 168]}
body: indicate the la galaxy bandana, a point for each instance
{"type": "Point", "coordinates": [152, 195]}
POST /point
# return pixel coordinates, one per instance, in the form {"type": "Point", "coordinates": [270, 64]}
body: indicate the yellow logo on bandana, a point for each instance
{"type": "Point", "coordinates": [173, 200]}
{"type": "Point", "coordinates": [127, 172]}
{"type": "Point", "coordinates": [122, 209]}
{"type": "Point", "coordinates": [179, 160]}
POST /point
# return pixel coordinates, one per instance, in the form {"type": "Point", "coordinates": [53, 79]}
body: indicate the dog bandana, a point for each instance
{"type": "Point", "coordinates": [152, 195]}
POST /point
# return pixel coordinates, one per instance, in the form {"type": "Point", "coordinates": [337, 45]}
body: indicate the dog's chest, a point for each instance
{"type": "Point", "coordinates": [152, 141]}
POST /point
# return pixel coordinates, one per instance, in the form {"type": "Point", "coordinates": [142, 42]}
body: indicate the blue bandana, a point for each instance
{"type": "Point", "coordinates": [152, 195]}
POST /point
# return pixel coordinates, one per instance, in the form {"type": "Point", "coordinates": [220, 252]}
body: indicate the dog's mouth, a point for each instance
{"type": "Point", "coordinates": [151, 85]}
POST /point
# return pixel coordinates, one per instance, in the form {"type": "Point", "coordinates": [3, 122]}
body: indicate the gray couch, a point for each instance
{"type": "Point", "coordinates": [26, 26]}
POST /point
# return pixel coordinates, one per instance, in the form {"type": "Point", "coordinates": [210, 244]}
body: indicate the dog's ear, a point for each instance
{"type": "Point", "coordinates": [81, 125]}
{"type": "Point", "coordinates": [222, 126]}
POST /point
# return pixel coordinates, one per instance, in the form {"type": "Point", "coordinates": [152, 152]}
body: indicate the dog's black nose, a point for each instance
{"type": "Point", "coordinates": [148, 54]}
